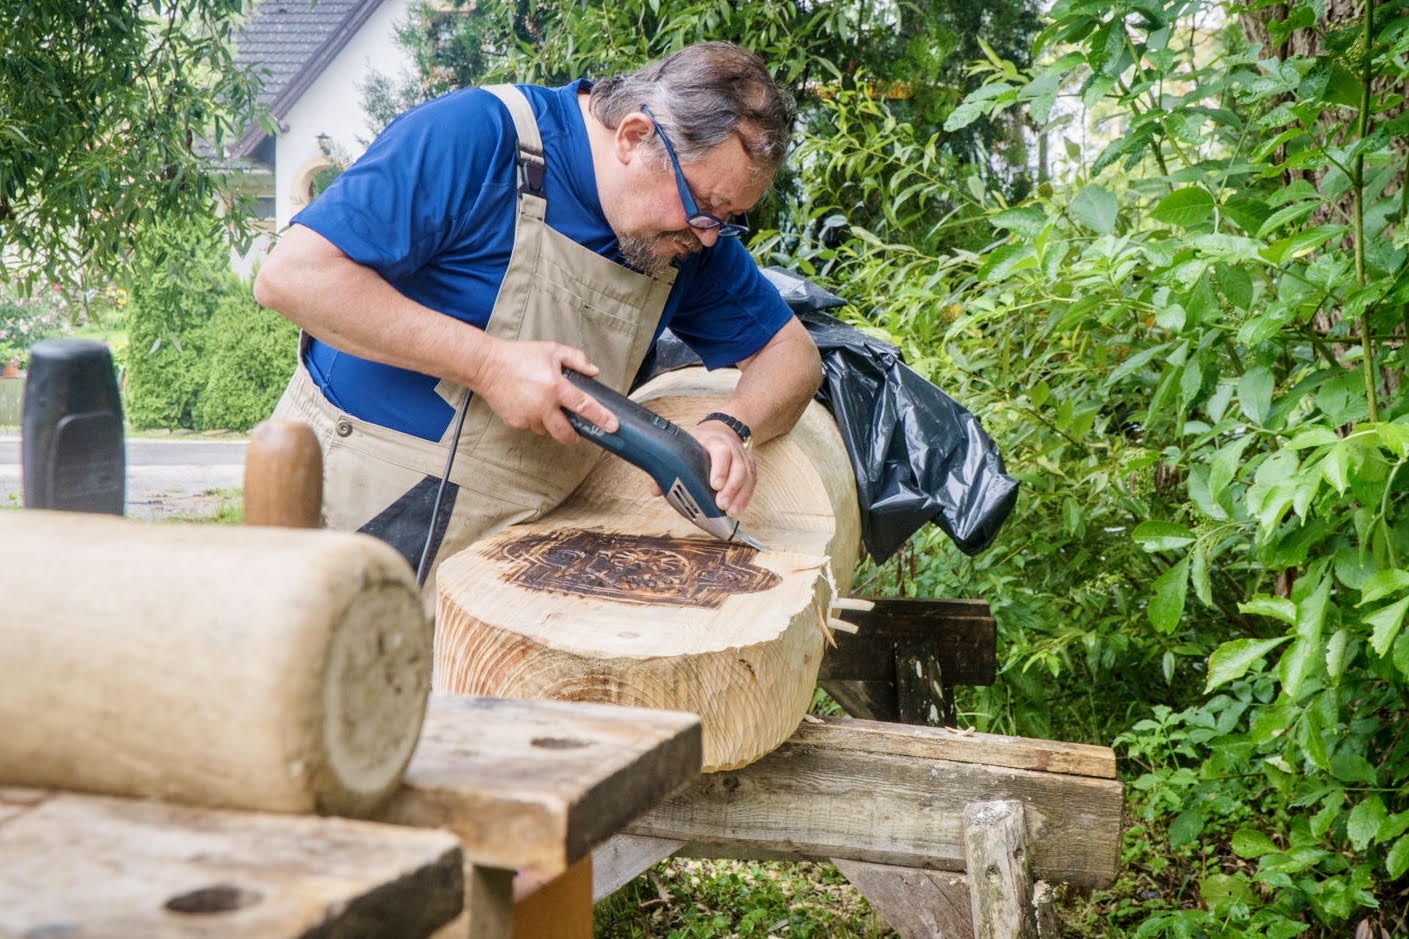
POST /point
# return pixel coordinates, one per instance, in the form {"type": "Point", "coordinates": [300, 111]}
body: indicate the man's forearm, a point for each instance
{"type": "Point", "coordinates": [776, 384]}
{"type": "Point", "coordinates": [350, 307]}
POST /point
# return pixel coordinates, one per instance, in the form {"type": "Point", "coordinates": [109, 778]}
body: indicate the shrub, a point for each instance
{"type": "Point", "coordinates": [202, 354]}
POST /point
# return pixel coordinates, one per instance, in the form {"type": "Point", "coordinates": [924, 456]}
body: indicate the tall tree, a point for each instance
{"type": "Point", "coordinates": [109, 110]}
{"type": "Point", "coordinates": [910, 59]}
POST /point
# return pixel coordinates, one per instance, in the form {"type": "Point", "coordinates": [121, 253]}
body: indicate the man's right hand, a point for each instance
{"type": "Point", "coordinates": [522, 382]}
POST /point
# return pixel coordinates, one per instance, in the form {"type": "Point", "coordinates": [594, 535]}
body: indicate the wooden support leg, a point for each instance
{"type": "Point", "coordinates": [555, 908]}
{"type": "Point", "coordinates": [623, 858]}
{"type": "Point", "coordinates": [995, 847]}
{"type": "Point", "coordinates": [917, 904]}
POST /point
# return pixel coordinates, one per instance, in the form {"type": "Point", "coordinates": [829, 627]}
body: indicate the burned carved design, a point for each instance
{"type": "Point", "coordinates": [633, 568]}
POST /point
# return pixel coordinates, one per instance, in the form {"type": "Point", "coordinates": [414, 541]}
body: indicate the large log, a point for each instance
{"type": "Point", "coordinates": [254, 668]}
{"type": "Point", "coordinates": [612, 597]}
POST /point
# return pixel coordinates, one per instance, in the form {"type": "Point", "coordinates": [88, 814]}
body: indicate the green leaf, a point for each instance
{"type": "Point", "coordinates": [1027, 221]}
{"type": "Point", "coordinates": [1397, 861]}
{"type": "Point", "coordinates": [1364, 821]}
{"type": "Point", "coordinates": [1335, 654]}
{"type": "Point", "coordinates": [1186, 827]}
{"type": "Point", "coordinates": [1185, 207]}
{"type": "Point", "coordinates": [1296, 666]}
{"type": "Point", "coordinates": [1161, 536]}
{"type": "Point", "coordinates": [1382, 584]}
{"type": "Point", "coordinates": [1005, 259]}
{"type": "Point", "coordinates": [1232, 660]}
{"type": "Point", "coordinates": [1235, 283]}
{"type": "Point", "coordinates": [1255, 393]}
{"type": "Point", "coordinates": [1251, 843]}
{"type": "Point", "coordinates": [1316, 436]}
{"type": "Point", "coordinates": [1386, 623]}
{"type": "Point", "coordinates": [1276, 607]}
{"type": "Point", "coordinates": [1095, 208]}
{"type": "Point", "coordinates": [1198, 575]}
{"type": "Point", "coordinates": [1352, 767]}
{"type": "Point", "coordinates": [1311, 611]}
{"type": "Point", "coordinates": [1225, 465]}
{"type": "Point", "coordinates": [1167, 604]}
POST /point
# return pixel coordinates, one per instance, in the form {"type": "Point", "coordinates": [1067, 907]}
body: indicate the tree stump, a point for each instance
{"type": "Point", "coordinates": [612, 597]}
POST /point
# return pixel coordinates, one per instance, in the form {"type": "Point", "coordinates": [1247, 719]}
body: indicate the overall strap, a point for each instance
{"type": "Point", "coordinates": [531, 162]}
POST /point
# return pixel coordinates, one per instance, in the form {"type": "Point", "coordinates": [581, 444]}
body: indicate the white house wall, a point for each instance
{"type": "Point", "coordinates": [332, 105]}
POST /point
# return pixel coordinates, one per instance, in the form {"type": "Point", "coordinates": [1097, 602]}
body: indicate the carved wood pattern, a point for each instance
{"type": "Point", "coordinates": [645, 569]}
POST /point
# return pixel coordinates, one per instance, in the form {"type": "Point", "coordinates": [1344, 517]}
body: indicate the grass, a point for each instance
{"type": "Point", "coordinates": [687, 898]}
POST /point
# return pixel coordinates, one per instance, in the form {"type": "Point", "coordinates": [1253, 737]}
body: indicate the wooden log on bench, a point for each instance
{"type": "Point", "coordinates": [85, 865]}
{"type": "Point", "coordinates": [253, 668]}
{"type": "Point", "coordinates": [614, 598]}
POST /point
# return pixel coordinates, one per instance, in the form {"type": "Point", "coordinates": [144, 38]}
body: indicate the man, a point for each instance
{"type": "Point", "coordinates": [492, 237]}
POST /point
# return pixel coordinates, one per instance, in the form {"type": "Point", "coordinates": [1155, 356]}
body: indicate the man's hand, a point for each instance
{"type": "Point", "coordinates": [523, 383]}
{"type": "Point", "coordinates": [731, 468]}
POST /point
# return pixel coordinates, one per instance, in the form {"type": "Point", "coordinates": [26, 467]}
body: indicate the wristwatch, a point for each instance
{"type": "Point", "coordinates": [733, 423]}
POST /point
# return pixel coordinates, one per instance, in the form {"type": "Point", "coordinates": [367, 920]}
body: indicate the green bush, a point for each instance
{"type": "Point", "coordinates": [202, 354]}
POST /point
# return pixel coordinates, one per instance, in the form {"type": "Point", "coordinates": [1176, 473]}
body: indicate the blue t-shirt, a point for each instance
{"type": "Point", "coordinates": [431, 207]}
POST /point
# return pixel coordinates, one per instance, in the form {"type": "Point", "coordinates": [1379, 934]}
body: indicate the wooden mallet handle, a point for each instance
{"type": "Point", "coordinates": [284, 476]}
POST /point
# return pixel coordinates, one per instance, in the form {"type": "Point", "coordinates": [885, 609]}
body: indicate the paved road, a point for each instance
{"type": "Point", "coordinates": [166, 477]}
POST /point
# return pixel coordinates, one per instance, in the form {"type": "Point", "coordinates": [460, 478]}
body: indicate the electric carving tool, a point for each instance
{"type": "Point", "coordinates": [674, 459]}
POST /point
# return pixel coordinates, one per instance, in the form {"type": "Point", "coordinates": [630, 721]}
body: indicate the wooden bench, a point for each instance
{"type": "Point", "coordinates": [505, 786]}
{"type": "Point", "coordinates": [903, 807]}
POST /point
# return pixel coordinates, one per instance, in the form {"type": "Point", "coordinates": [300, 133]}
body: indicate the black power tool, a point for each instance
{"type": "Point", "coordinates": [674, 459]}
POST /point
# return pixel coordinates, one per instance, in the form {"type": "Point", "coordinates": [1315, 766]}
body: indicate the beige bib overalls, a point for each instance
{"type": "Point", "coordinates": [383, 482]}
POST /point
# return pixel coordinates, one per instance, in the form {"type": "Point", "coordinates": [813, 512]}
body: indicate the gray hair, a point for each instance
{"type": "Point", "coordinates": [701, 96]}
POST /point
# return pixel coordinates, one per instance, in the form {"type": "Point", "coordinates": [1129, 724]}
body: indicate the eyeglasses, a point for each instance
{"type": "Point", "coordinates": [693, 215]}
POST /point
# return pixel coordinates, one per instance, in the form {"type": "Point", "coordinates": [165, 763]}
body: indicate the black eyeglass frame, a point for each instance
{"type": "Point", "coordinates": [694, 216]}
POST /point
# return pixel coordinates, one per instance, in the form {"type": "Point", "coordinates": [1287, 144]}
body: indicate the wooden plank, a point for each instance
{"type": "Point", "coordinates": [78, 865]}
{"type": "Point", "coordinates": [962, 746]}
{"type": "Point", "coordinates": [961, 633]}
{"type": "Point", "coordinates": [538, 784]}
{"type": "Point", "coordinates": [623, 858]}
{"type": "Point", "coordinates": [917, 904]}
{"type": "Point", "coordinates": [1000, 880]}
{"type": "Point", "coordinates": [874, 792]}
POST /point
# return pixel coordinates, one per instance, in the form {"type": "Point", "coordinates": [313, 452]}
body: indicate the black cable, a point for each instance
{"type": "Point", "coordinates": [440, 491]}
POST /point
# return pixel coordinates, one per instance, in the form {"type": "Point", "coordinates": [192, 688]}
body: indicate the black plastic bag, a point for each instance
{"type": "Point", "coordinates": [918, 455]}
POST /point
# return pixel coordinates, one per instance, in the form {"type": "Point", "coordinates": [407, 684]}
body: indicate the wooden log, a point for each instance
{"type": "Point", "coordinates": [614, 598]}
{"type": "Point", "coordinates": [895, 795]}
{"type": "Point", "coordinates": [248, 667]}
{"type": "Point", "coordinates": [78, 865]}
{"type": "Point", "coordinates": [538, 784]}
{"type": "Point", "coordinates": [1000, 880]}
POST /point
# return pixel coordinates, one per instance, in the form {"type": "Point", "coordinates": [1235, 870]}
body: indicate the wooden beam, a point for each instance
{"type": "Point", "coordinates": [623, 858]}
{"type": "Point", "coordinates": [961, 633]}
{"type": "Point", "coordinates": [104, 866]}
{"type": "Point", "coordinates": [896, 795]}
{"type": "Point", "coordinates": [539, 784]}
{"type": "Point", "coordinates": [917, 904]}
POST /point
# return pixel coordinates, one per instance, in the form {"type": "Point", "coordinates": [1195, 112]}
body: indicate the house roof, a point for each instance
{"type": "Point", "coordinates": [289, 43]}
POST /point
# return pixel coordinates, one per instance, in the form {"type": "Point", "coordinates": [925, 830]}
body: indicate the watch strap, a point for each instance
{"type": "Point", "coordinates": [733, 423]}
